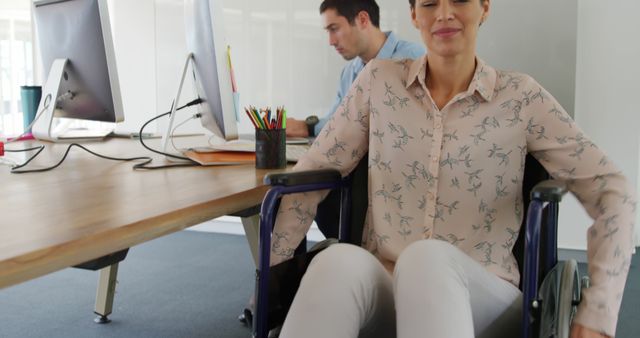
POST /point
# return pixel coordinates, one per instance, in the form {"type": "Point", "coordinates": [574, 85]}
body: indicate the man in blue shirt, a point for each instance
{"type": "Point", "coordinates": [354, 31]}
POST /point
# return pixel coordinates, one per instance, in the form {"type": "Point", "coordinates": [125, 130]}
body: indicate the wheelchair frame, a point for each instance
{"type": "Point", "coordinates": [545, 197]}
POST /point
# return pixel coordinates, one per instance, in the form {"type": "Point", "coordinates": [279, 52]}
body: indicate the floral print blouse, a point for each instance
{"type": "Point", "coordinates": [455, 174]}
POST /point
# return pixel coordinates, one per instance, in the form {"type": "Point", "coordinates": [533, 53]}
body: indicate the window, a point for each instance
{"type": "Point", "coordinates": [16, 62]}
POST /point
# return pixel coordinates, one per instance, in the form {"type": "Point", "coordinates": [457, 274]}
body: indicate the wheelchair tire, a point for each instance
{"type": "Point", "coordinates": [568, 297]}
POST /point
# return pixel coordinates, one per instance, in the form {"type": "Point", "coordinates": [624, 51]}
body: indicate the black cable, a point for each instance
{"type": "Point", "coordinates": [39, 148]}
{"type": "Point", "coordinates": [22, 150]}
{"type": "Point", "coordinates": [147, 160]}
{"type": "Point", "coordinates": [194, 102]}
{"type": "Point", "coordinates": [15, 170]}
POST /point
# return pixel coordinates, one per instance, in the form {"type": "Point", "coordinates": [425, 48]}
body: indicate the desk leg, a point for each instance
{"type": "Point", "coordinates": [105, 293]}
{"type": "Point", "coordinates": [251, 226]}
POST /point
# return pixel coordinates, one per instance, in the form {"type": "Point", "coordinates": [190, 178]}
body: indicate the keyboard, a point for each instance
{"type": "Point", "coordinates": [295, 151]}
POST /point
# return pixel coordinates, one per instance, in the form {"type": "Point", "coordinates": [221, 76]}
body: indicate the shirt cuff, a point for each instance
{"type": "Point", "coordinates": [596, 320]}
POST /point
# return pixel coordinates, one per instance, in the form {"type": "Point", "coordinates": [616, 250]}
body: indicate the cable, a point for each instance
{"type": "Point", "coordinates": [16, 165]}
{"type": "Point", "coordinates": [22, 150]}
{"type": "Point", "coordinates": [6, 161]}
{"type": "Point", "coordinates": [143, 165]}
{"type": "Point", "coordinates": [173, 144]}
{"type": "Point", "coordinates": [194, 102]}
{"type": "Point", "coordinates": [15, 170]}
{"type": "Point", "coordinates": [47, 101]}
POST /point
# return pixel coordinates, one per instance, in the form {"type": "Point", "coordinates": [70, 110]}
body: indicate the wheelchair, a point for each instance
{"type": "Point", "coordinates": [551, 290]}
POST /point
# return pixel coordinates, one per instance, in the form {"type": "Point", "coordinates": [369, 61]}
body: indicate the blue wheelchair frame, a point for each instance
{"type": "Point", "coordinates": [545, 197]}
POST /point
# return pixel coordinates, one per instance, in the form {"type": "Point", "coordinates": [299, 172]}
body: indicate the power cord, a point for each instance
{"type": "Point", "coordinates": [142, 166]}
{"type": "Point", "coordinates": [15, 170]}
{"type": "Point", "coordinates": [194, 102]}
{"type": "Point", "coordinates": [46, 103]}
{"type": "Point", "coordinates": [171, 138]}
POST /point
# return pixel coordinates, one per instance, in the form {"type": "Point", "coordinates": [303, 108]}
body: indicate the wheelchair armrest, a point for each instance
{"type": "Point", "coordinates": [549, 191]}
{"type": "Point", "coordinates": [303, 177]}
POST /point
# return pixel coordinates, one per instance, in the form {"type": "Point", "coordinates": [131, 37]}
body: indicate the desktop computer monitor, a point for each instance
{"type": "Point", "coordinates": [77, 51]}
{"type": "Point", "coordinates": [210, 68]}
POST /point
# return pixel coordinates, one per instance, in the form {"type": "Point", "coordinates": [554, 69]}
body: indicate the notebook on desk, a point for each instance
{"type": "Point", "coordinates": [210, 156]}
{"type": "Point", "coordinates": [221, 157]}
{"type": "Point", "coordinates": [238, 153]}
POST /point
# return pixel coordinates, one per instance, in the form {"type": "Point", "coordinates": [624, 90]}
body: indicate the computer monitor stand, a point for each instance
{"type": "Point", "coordinates": [166, 137]}
{"type": "Point", "coordinates": [63, 90]}
{"type": "Point", "coordinates": [167, 147]}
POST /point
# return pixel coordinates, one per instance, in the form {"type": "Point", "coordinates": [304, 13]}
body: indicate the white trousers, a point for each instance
{"type": "Point", "coordinates": [436, 291]}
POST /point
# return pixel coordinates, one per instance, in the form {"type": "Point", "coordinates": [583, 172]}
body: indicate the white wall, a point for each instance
{"type": "Point", "coordinates": [608, 70]}
{"type": "Point", "coordinates": [133, 24]}
{"type": "Point", "coordinates": [529, 37]}
{"type": "Point", "coordinates": [280, 54]}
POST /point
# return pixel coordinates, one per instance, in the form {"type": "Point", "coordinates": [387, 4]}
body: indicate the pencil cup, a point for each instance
{"type": "Point", "coordinates": [271, 149]}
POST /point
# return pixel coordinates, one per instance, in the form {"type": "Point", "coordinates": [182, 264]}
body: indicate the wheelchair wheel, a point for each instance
{"type": "Point", "coordinates": [568, 297]}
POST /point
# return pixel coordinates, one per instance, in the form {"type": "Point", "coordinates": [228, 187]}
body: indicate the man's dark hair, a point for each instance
{"type": "Point", "coordinates": [350, 9]}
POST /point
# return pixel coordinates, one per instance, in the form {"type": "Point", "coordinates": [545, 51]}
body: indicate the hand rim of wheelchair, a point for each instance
{"type": "Point", "coordinates": [569, 297]}
{"type": "Point", "coordinates": [559, 295]}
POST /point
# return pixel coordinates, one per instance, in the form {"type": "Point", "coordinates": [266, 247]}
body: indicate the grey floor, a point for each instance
{"type": "Point", "coordinates": [188, 284]}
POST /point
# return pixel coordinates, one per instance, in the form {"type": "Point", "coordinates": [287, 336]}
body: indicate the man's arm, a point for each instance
{"type": "Point", "coordinates": [297, 128]}
{"type": "Point", "coordinates": [302, 128]}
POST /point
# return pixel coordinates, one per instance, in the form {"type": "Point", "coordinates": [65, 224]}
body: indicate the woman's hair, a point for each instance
{"type": "Point", "coordinates": [350, 9]}
{"type": "Point", "coordinates": [413, 3]}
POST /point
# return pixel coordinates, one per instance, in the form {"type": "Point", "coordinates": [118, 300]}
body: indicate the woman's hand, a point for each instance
{"type": "Point", "coordinates": [579, 331]}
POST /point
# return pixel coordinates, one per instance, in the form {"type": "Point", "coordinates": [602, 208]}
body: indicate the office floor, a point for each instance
{"type": "Point", "coordinates": [188, 284]}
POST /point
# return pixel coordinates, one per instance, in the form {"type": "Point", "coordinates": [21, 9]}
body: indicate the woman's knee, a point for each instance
{"type": "Point", "coordinates": [427, 250]}
{"type": "Point", "coordinates": [343, 260]}
{"type": "Point", "coordinates": [428, 255]}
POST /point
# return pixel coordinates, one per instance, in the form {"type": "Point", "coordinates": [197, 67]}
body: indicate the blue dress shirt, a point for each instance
{"type": "Point", "coordinates": [393, 48]}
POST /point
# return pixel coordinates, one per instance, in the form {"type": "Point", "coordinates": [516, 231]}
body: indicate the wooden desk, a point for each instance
{"type": "Point", "coordinates": [89, 207]}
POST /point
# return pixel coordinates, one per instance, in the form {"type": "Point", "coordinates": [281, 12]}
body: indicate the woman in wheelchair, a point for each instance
{"type": "Point", "coordinates": [447, 137]}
